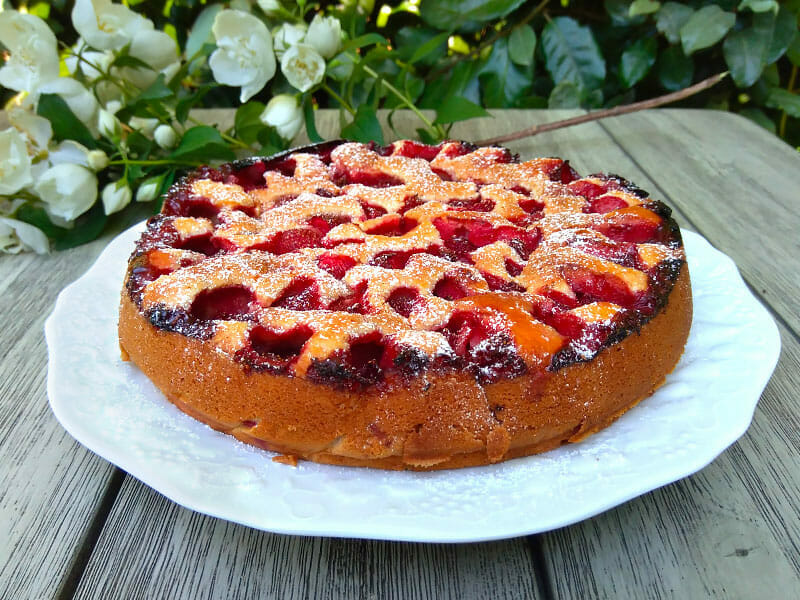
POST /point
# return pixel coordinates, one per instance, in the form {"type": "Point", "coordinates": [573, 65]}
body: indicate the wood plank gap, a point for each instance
{"type": "Point", "coordinates": [70, 582]}
{"type": "Point", "coordinates": [540, 570]}
{"type": "Point", "coordinates": [795, 334]}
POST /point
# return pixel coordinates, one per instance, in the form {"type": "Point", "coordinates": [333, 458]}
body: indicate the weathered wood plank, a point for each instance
{"type": "Point", "coordinates": [730, 531]}
{"type": "Point", "coordinates": [152, 548]}
{"type": "Point", "coordinates": [736, 181]}
{"type": "Point", "coordinates": [50, 486]}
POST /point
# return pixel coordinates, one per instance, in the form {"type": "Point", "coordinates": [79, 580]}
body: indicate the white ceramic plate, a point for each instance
{"type": "Point", "coordinates": [705, 405]}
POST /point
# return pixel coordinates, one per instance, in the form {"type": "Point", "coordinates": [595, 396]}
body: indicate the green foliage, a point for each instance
{"type": "Point", "coordinates": [455, 58]}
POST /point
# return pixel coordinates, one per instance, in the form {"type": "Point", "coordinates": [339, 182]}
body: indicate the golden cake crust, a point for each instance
{"type": "Point", "coordinates": [437, 419]}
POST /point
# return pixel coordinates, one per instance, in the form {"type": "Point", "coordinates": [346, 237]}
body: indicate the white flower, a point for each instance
{"type": "Point", "coordinates": [270, 7]}
{"type": "Point", "coordinates": [69, 152]}
{"type": "Point", "coordinates": [33, 58]}
{"type": "Point", "coordinates": [303, 67]}
{"type": "Point", "coordinates": [16, 236]}
{"type": "Point", "coordinates": [108, 125]}
{"type": "Point", "coordinates": [97, 159]}
{"type": "Point", "coordinates": [90, 63]}
{"type": "Point", "coordinates": [81, 101]}
{"type": "Point", "coordinates": [156, 49]}
{"type": "Point", "coordinates": [36, 129]}
{"type": "Point", "coordinates": [116, 196]}
{"type": "Point", "coordinates": [284, 114]}
{"type": "Point", "coordinates": [113, 106]}
{"type": "Point", "coordinates": [148, 190]}
{"type": "Point", "coordinates": [15, 164]}
{"type": "Point", "coordinates": [165, 136]}
{"type": "Point", "coordinates": [106, 26]}
{"type": "Point", "coordinates": [144, 125]}
{"type": "Point", "coordinates": [68, 190]}
{"type": "Point", "coordinates": [325, 35]}
{"type": "Point", "coordinates": [244, 55]}
{"type": "Point", "coordinates": [288, 35]}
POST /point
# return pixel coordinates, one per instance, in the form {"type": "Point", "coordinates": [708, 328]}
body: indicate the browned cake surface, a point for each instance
{"type": "Point", "coordinates": [408, 306]}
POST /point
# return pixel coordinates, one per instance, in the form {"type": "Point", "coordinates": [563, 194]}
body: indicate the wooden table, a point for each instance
{"type": "Point", "coordinates": [73, 525]}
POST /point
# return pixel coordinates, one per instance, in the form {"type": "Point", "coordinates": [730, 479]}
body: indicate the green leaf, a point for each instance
{"type": "Point", "coordinates": [364, 127]}
{"type": "Point", "coordinates": [126, 60]}
{"type": "Point", "coordinates": [157, 90]}
{"type": "Point", "coordinates": [456, 108]}
{"type": "Point", "coordinates": [618, 11]}
{"type": "Point", "coordinates": [565, 95]}
{"type": "Point", "coordinates": [87, 228]}
{"type": "Point", "coordinates": [571, 54]}
{"type": "Point", "coordinates": [675, 69]}
{"type": "Point", "coordinates": [671, 18]}
{"type": "Point", "coordinates": [748, 51]}
{"type": "Point", "coordinates": [203, 144]}
{"type": "Point", "coordinates": [364, 40]}
{"type": "Point", "coordinates": [247, 123]}
{"type": "Point", "coordinates": [201, 30]}
{"type": "Point", "coordinates": [637, 60]}
{"type": "Point", "coordinates": [430, 46]}
{"type": "Point", "coordinates": [705, 28]}
{"type": "Point", "coordinates": [784, 100]}
{"type": "Point", "coordinates": [758, 6]}
{"type": "Point", "coordinates": [783, 32]}
{"type": "Point", "coordinates": [522, 45]}
{"type": "Point", "coordinates": [793, 51]}
{"type": "Point", "coordinates": [426, 138]}
{"type": "Point", "coordinates": [66, 126]}
{"type": "Point", "coordinates": [759, 117]}
{"type": "Point", "coordinates": [37, 216]}
{"type": "Point", "coordinates": [187, 104]}
{"type": "Point", "coordinates": [503, 82]}
{"type": "Point", "coordinates": [311, 125]}
{"type": "Point", "coordinates": [643, 7]}
{"type": "Point", "coordinates": [744, 53]}
{"type": "Point", "coordinates": [409, 39]}
{"type": "Point", "coordinates": [467, 14]}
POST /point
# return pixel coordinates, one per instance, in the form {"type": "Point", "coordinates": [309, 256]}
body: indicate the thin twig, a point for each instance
{"type": "Point", "coordinates": [609, 112]}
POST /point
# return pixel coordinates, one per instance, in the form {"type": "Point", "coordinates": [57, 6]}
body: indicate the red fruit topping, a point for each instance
{"type": "Point", "coordinates": [413, 149]}
{"type": "Point", "coordinates": [336, 264]}
{"type": "Point", "coordinates": [592, 287]}
{"type": "Point", "coordinates": [393, 226]}
{"type": "Point", "coordinates": [199, 243]}
{"type": "Point", "coordinates": [464, 331]}
{"type": "Point", "coordinates": [229, 303]}
{"type": "Point", "coordinates": [477, 204]}
{"type": "Point", "coordinates": [363, 359]}
{"type": "Point", "coordinates": [294, 239]}
{"type": "Point", "coordinates": [391, 259]}
{"type": "Point", "coordinates": [513, 268]}
{"type": "Point", "coordinates": [370, 212]}
{"type": "Point", "coordinates": [498, 284]}
{"type": "Point", "coordinates": [283, 346]}
{"type": "Point", "coordinates": [587, 189]}
{"type": "Point", "coordinates": [605, 204]}
{"type": "Point", "coordinates": [302, 294]}
{"type": "Point", "coordinates": [249, 177]}
{"type": "Point", "coordinates": [449, 289]}
{"type": "Point", "coordinates": [403, 300]}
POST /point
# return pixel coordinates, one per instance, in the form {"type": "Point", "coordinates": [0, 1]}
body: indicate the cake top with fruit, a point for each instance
{"type": "Point", "coordinates": [355, 265]}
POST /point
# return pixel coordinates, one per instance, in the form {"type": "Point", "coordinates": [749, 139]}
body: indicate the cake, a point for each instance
{"type": "Point", "coordinates": [406, 306]}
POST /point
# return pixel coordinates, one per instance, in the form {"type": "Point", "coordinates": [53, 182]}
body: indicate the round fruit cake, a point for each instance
{"type": "Point", "coordinates": [406, 306]}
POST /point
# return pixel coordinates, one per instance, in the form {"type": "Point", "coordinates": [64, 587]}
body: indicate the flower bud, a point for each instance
{"type": "Point", "coordinates": [148, 190]}
{"type": "Point", "coordinates": [67, 190]}
{"type": "Point", "coordinates": [284, 114]}
{"type": "Point", "coordinates": [143, 125]}
{"type": "Point", "coordinates": [108, 125]}
{"type": "Point", "coordinates": [15, 164]}
{"type": "Point", "coordinates": [325, 35]}
{"type": "Point", "coordinates": [270, 7]}
{"type": "Point", "coordinates": [165, 136]}
{"type": "Point", "coordinates": [286, 36]}
{"type": "Point", "coordinates": [97, 160]}
{"type": "Point", "coordinates": [116, 196]}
